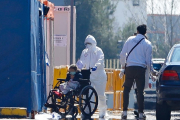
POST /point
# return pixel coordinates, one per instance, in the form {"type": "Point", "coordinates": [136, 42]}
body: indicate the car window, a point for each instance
{"type": "Point", "coordinates": [176, 55]}
{"type": "Point", "coordinates": [157, 66]}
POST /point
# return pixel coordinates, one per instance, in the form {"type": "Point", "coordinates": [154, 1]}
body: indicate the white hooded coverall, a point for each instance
{"type": "Point", "coordinates": [92, 57]}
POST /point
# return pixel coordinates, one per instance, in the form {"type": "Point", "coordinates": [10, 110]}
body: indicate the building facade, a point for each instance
{"type": "Point", "coordinates": [164, 27]}
{"type": "Point", "coordinates": [130, 11]}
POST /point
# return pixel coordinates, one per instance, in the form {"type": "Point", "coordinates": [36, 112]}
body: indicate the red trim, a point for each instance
{"type": "Point", "coordinates": [57, 93]}
{"type": "Point", "coordinates": [158, 32]}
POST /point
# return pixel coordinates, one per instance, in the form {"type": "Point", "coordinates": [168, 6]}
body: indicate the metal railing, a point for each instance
{"type": "Point", "coordinates": [112, 63]}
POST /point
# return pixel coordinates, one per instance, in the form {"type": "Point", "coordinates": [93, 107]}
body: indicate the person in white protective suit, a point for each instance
{"type": "Point", "coordinates": [92, 57]}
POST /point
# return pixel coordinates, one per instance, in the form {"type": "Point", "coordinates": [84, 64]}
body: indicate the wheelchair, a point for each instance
{"type": "Point", "coordinates": [84, 98]}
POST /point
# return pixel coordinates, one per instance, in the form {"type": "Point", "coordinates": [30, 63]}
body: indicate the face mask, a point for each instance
{"type": "Point", "coordinates": [72, 73]}
{"type": "Point", "coordinates": [88, 46]}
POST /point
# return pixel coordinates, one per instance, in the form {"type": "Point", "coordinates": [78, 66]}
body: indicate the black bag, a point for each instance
{"type": "Point", "coordinates": [130, 52]}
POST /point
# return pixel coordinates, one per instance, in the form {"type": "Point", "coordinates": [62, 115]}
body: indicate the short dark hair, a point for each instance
{"type": "Point", "coordinates": [142, 29]}
{"type": "Point", "coordinates": [73, 66]}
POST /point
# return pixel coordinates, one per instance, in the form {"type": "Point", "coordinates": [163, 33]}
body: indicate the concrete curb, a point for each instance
{"type": "Point", "coordinates": [13, 112]}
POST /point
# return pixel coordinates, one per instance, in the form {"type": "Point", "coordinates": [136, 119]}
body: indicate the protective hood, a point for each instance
{"type": "Point", "coordinates": [92, 40]}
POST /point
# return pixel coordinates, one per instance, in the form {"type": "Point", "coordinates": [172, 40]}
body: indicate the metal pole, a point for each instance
{"type": "Point", "coordinates": [45, 33]}
{"type": "Point", "coordinates": [71, 33]}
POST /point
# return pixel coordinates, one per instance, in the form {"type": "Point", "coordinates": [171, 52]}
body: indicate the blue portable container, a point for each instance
{"type": "Point", "coordinates": [22, 55]}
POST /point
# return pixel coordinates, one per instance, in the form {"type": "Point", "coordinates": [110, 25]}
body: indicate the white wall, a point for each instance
{"type": "Point", "coordinates": [48, 47]}
{"type": "Point", "coordinates": [125, 10]}
{"type": "Point", "coordinates": [49, 50]}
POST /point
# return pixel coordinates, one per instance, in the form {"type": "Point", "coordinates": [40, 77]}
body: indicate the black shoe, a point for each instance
{"type": "Point", "coordinates": [136, 113]}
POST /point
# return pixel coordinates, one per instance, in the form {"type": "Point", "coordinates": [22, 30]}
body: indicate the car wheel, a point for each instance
{"type": "Point", "coordinates": [163, 111]}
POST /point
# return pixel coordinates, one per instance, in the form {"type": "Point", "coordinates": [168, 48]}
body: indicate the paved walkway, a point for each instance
{"type": "Point", "coordinates": [115, 115]}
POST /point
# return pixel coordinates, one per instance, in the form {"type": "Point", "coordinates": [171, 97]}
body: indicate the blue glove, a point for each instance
{"type": "Point", "coordinates": [94, 68]}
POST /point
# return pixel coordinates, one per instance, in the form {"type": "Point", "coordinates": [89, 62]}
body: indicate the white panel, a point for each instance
{"type": "Point", "coordinates": [61, 27]}
{"type": "Point", "coordinates": [74, 36]}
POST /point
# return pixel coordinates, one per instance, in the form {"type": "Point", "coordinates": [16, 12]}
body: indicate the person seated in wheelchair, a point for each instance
{"type": "Point", "coordinates": [72, 79]}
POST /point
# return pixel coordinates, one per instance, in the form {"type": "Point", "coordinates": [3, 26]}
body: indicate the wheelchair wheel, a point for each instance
{"type": "Point", "coordinates": [88, 100]}
{"type": "Point", "coordinates": [69, 108]}
{"type": "Point", "coordinates": [69, 105]}
{"type": "Point", "coordinates": [53, 100]}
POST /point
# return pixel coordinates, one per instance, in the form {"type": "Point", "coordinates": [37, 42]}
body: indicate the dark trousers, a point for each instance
{"type": "Point", "coordinates": [134, 74]}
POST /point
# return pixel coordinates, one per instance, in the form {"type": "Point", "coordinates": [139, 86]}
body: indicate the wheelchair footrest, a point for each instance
{"type": "Point", "coordinates": [52, 105]}
{"type": "Point", "coordinates": [49, 105]}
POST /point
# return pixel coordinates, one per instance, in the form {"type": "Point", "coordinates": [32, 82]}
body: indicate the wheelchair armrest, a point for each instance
{"type": "Point", "coordinates": [53, 89]}
{"type": "Point", "coordinates": [71, 90]}
{"type": "Point", "coordinates": [84, 79]}
{"type": "Point", "coordinates": [62, 80]}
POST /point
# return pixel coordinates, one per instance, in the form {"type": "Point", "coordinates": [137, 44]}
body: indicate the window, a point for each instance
{"type": "Point", "coordinates": [176, 56]}
{"type": "Point", "coordinates": [135, 2]}
{"type": "Point", "coordinates": [157, 66]}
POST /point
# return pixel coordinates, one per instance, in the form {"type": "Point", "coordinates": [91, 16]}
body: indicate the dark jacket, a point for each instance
{"type": "Point", "coordinates": [76, 77]}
